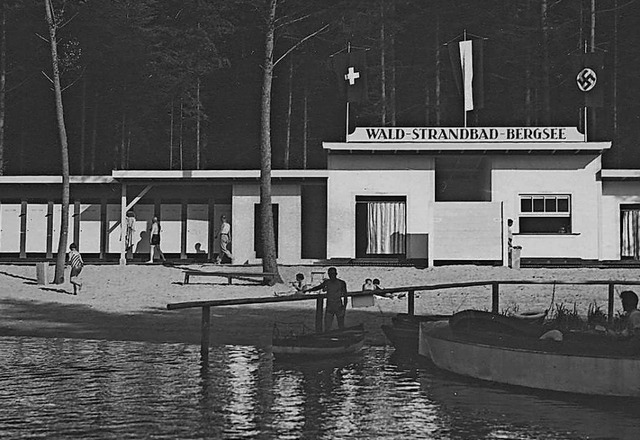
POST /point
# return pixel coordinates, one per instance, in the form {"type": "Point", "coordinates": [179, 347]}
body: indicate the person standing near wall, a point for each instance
{"type": "Point", "coordinates": [154, 240]}
{"type": "Point", "coordinates": [129, 233]}
{"type": "Point", "coordinates": [510, 242]}
{"type": "Point", "coordinates": [225, 239]}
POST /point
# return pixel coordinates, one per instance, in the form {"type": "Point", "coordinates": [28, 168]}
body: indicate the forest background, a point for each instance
{"type": "Point", "coordinates": [176, 84]}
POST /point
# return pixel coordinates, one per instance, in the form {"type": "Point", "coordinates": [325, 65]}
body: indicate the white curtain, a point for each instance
{"type": "Point", "coordinates": [630, 236]}
{"type": "Point", "coordinates": [387, 228]}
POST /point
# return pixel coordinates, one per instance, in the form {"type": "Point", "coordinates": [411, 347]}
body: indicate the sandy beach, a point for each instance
{"type": "Point", "coordinates": [130, 302]}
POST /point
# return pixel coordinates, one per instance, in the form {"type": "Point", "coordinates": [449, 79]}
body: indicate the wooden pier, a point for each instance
{"type": "Point", "coordinates": [410, 290]}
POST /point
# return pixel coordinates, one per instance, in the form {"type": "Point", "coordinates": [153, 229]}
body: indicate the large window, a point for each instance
{"type": "Point", "coordinates": [380, 226]}
{"type": "Point", "coordinates": [545, 214]}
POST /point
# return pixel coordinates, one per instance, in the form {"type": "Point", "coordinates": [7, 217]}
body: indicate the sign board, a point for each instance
{"type": "Point", "coordinates": [466, 134]}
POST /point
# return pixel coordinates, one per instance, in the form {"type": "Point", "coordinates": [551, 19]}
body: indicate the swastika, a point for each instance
{"type": "Point", "coordinates": [586, 79]}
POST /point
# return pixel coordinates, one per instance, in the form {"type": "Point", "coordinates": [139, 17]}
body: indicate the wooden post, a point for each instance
{"type": "Point", "coordinates": [77, 216]}
{"type": "Point", "coordinates": [23, 229]}
{"type": "Point", "coordinates": [411, 302]}
{"type": "Point", "coordinates": [123, 222]}
{"type": "Point", "coordinates": [50, 236]}
{"type": "Point", "coordinates": [206, 330]}
{"type": "Point", "coordinates": [183, 229]}
{"type": "Point", "coordinates": [319, 310]}
{"type": "Point", "coordinates": [611, 301]}
{"type": "Point", "coordinates": [495, 297]}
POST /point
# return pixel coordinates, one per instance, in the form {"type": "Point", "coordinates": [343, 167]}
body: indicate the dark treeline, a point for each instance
{"type": "Point", "coordinates": [171, 84]}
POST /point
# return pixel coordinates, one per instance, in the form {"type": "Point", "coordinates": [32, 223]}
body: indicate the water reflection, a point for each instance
{"type": "Point", "coordinates": [61, 388]}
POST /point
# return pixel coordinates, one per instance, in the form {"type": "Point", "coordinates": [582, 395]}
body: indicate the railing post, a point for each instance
{"type": "Point", "coordinates": [206, 331]}
{"type": "Point", "coordinates": [319, 310]}
{"type": "Point", "coordinates": [611, 301]}
{"type": "Point", "coordinates": [411, 302]}
{"type": "Point", "coordinates": [495, 297]}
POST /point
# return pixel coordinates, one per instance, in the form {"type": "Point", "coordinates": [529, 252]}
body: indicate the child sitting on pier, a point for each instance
{"type": "Point", "coordinates": [368, 285]}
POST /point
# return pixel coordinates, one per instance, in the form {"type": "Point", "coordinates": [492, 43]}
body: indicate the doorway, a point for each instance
{"type": "Point", "coordinates": [381, 227]}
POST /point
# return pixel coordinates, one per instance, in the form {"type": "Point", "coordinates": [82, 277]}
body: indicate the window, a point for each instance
{"type": "Point", "coordinates": [545, 214]}
{"type": "Point", "coordinates": [380, 226]}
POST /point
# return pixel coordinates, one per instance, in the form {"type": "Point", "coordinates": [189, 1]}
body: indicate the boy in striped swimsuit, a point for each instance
{"type": "Point", "coordinates": [76, 263]}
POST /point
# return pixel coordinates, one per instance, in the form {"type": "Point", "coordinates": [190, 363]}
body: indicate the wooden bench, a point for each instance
{"type": "Point", "coordinates": [251, 276]}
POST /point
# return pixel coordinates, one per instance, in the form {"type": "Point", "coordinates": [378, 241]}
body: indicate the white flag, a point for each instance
{"type": "Point", "coordinates": [466, 60]}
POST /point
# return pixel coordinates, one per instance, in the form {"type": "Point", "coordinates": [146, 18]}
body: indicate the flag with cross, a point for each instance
{"type": "Point", "coordinates": [351, 71]}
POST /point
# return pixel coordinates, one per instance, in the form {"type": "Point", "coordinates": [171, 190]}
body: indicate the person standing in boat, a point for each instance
{"type": "Point", "coordinates": [336, 298]}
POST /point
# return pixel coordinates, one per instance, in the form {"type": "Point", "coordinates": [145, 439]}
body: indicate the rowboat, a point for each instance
{"type": "Point", "coordinates": [336, 342]}
{"type": "Point", "coordinates": [404, 330]}
{"type": "Point", "coordinates": [580, 363]}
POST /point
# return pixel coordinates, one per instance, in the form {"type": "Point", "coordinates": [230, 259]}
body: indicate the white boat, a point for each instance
{"type": "Point", "coordinates": [574, 365]}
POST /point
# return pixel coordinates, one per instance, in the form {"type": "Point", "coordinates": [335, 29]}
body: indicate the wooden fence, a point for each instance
{"type": "Point", "coordinates": [410, 290]}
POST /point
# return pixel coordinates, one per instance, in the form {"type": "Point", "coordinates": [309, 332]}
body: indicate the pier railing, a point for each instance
{"type": "Point", "coordinates": [409, 290]}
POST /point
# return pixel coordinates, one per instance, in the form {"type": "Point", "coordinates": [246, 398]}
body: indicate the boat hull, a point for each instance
{"type": "Point", "coordinates": [337, 342]}
{"type": "Point", "coordinates": [597, 375]}
{"type": "Point", "coordinates": [404, 330]}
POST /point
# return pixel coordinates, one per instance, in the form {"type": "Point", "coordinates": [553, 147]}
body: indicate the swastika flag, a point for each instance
{"type": "Point", "coordinates": [589, 78]}
{"type": "Point", "coordinates": [351, 73]}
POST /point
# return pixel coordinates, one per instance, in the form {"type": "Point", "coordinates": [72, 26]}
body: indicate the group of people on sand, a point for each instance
{"type": "Point", "coordinates": [223, 233]}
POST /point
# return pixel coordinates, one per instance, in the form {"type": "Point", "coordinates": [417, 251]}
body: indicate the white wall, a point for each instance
{"type": "Point", "coordinates": [289, 200]}
{"type": "Point", "coordinates": [614, 194]}
{"type": "Point", "coordinates": [467, 231]}
{"type": "Point", "coordinates": [552, 174]}
{"type": "Point", "coordinates": [377, 175]}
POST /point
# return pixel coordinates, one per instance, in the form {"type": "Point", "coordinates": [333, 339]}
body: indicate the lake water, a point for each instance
{"type": "Point", "coordinates": [70, 388]}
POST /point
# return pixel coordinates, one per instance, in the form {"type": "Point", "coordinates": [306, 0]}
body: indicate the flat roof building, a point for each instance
{"type": "Point", "coordinates": [433, 195]}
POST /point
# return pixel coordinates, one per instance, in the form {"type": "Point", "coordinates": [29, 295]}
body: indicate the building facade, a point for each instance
{"type": "Point", "coordinates": [433, 195]}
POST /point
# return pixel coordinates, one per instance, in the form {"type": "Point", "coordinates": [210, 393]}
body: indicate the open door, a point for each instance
{"type": "Point", "coordinates": [381, 227]}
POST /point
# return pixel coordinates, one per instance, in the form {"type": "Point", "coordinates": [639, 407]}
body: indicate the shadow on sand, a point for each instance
{"type": "Point", "coordinates": [235, 325]}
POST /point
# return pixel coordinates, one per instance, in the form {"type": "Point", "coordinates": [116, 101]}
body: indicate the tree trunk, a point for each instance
{"type": "Point", "coordinates": [268, 242]}
{"type": "Point", "coordinates": [383, 69]}
{"type": "Point", "coordinates": [181, 139]}
{"type": "Point", "coordinates": [198, 123]}
{"type": "Point", "coordinates": [614, 84]}
{"type": "Point", "coordinates": [392, 73]}
{"type": "Point", "coordinates": [94, 134]}
{"type": "Point", "coordinates": [83, 125]}
{"type": "Point", "coordinates": [546, 67]}
{"type": "Point", "coordinates": [123, 140]}
{"type": "Point", "coordinates": [287, 145]}
{"type": "Point", "coordinates": [305, 126]}
{"type": "Point", "coordinates": [3, 78]}
{"type": "Point", "coordinates": [438, 86]}
{"type": "Point", "coordinates": [171, 138]}
{"type": "Point", "coordinates": [62, 131]}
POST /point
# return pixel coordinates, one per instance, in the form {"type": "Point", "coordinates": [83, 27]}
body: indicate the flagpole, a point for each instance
{"type": "Point", "coordinates": [585, 123]}
{"type": "Point", "coordinates": [346, 136]}
{"type": "Point", "coordinates": [464, 104]}
{"type": "Point", "coordinates": [586, 120]}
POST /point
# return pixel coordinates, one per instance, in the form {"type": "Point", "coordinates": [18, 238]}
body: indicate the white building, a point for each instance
{"type": "Point", "coordinates": [430, 194]}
